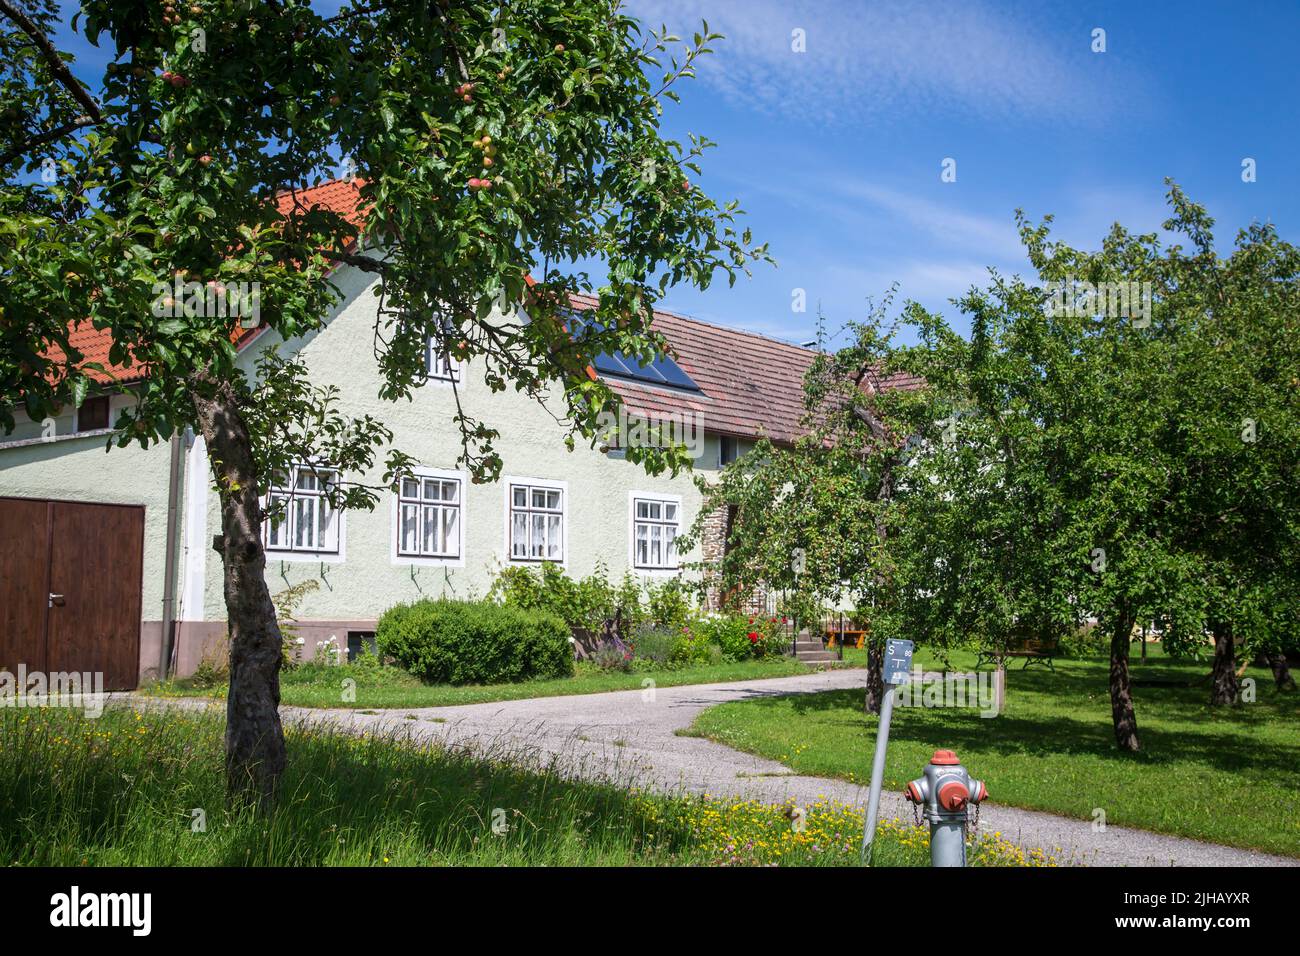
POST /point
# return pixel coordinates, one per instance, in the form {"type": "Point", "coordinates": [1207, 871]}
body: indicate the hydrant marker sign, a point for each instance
{"type": "Point", "coordinates": [896, 668]}
{"type": "Point", "coordinates": [898, 661]}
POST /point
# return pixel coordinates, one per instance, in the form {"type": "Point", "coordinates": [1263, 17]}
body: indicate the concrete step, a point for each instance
{"type": "Point", "coordinates": [815, 657]}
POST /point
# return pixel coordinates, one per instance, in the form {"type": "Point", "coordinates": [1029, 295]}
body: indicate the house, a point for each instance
{"type": "Point", "coordinates": [104, 551]}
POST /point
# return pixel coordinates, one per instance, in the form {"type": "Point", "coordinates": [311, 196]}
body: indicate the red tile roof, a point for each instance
{"type": "Point", "coordinates": [337, 195]}
{"type": "Point", "coordinates": [94, 344]}
{"type": "Point", "coordinates": [751, 385]}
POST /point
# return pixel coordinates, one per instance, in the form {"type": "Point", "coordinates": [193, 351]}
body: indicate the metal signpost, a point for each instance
{"type": "Point", "coordinates": [897, 668]}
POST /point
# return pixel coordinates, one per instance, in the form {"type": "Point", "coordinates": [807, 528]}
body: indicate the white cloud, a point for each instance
{"type": "Point", "coordinates": [929, 281]}
{"type": "Point", "coordinates": [866, 63]}
{"type": "Point", "coordinates": [990, 236]}
{"type": "Point", "coordinates": [886, 217]}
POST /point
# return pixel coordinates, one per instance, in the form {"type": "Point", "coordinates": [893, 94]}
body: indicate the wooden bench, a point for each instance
{"type": "Point", "coordinates": [1033, 651]}
{"type": "Point", "coordinates": [845, 638]}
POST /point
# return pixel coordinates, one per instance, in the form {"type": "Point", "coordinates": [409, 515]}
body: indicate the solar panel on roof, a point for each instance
{"type": "Point", "coordinates": [673, 373]}
{"type": "Point", "coordinates": [636, 370]}
{"type": "Point", "coordinates": [604, 362]}
{"type": "Point", "coordinates": [662, 371]}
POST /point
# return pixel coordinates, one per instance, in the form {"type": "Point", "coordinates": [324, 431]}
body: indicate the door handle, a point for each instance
{"type": "Point", "coordinates": [56, 600]}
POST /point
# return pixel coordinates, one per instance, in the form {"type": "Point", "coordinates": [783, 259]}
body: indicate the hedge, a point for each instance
{"type": "Point", "coordinates": [474, 642]}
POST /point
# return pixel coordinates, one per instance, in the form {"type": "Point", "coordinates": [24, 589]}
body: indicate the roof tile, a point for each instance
{"type": "Point", "coordinates": [751, 384]}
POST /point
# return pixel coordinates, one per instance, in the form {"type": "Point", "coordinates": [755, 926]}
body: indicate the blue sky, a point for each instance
{"type": "Point", "coordinates": [836, 152]}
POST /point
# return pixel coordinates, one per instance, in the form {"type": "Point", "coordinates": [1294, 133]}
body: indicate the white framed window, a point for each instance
{"type": "Point", "coordinates": [439, 366]}
{"type": "Point", "coordinates": [306, 523]}
{"type": "Point", "coordinates": [656, 521]}
{"type": "Point", "coordinates": [536, 513]}
{"type": "Point", "coordinates": [728, 450]}
{"type": "Point", "coordinates": [429, 518]}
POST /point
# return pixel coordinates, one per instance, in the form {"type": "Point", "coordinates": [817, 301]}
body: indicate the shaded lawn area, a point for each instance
{"type": "Point", "coordinates": [147, 789]}
{"type": "Point", "coordinates": [1226, 775]}
{"type": "Point", "coordinates": [312, 685]}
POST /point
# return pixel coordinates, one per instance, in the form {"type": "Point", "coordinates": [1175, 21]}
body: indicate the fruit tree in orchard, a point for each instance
{"type": "Point", "coordinates": [490, 147]}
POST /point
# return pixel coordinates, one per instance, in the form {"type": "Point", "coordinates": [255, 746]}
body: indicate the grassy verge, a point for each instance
{"type": "Point", "coordinates": [312, 685]}
{"type": "Point", "coordinates": [145, 789]}
{"type": "Point", "coordinates": [1226, 775]}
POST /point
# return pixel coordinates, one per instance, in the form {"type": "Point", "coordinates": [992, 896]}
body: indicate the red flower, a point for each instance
{"type": "Point", "coordinates": [753, 637]}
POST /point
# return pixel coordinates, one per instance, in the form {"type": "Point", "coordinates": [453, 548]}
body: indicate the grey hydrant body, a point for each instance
{"type": "Point", "coordinates": [947, 791]}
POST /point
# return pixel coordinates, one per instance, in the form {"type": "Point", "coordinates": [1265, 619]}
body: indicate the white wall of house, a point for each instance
{"type": "Point", "coordinates": [366, 576]}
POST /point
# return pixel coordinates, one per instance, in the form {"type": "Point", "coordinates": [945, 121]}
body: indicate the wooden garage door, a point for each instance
{"type": "Point", "coordinates": [24, 582]}
{"type": "Point", "coordinates": [70, 576]}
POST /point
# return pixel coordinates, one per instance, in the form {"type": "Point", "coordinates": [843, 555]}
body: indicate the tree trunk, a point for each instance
{"type": "Point", "coordinates": [1121, 694]}
{"type": "Point", "coordinates": [876, 653]}
{"type": "Point", "coordinates": [875, 678]}
{"type": "Point", "coordinates": [1223, 682]}
{"type": "Point", "coordinates": [1281, 670]}
{"type": "Point", "coordinates": [884, 495]}
{"type": "Point", "coordinates": [254, 738]}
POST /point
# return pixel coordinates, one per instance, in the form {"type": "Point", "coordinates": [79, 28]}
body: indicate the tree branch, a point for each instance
{"type": "Point", "coordinates": [365, 263]}
{"type": "Point", "coordinates": [48, 136]}
{"type": "Point", "coordinates": [53, 60]}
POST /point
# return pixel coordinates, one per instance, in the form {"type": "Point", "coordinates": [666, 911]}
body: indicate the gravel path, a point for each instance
{"type": "Point", "coordinates": [632, 735]}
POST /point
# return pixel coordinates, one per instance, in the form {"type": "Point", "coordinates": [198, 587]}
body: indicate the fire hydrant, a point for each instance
{"type": "Point", "coordinates": [946, 791]}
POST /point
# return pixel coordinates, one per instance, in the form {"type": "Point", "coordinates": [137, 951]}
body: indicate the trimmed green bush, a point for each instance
{"type": "Point", "coordinates": [474, 642]}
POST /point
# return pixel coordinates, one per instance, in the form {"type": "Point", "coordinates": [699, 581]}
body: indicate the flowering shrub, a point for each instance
{"type": "Point", "coordinates": [612, 655]}
{"type": "Point", "coordinates": [692, 648]}
{"type": "Point", "coordinates": [652, 647]}
{"type": "Point", "coordinates": [744, 637]}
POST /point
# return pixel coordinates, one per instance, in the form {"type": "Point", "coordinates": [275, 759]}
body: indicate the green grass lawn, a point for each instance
{"type": "Point", "coordinates": [311, 685]}
{"type": "Point", "coordinates": [1226, 775]}
{"type": "Point", "coordinates": [146, 789]}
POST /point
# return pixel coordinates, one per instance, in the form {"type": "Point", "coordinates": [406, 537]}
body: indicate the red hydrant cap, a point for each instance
{"type": "Point", "coordinates": [953, 795]}
{"type": "Point", "coordinates": [944, 758]}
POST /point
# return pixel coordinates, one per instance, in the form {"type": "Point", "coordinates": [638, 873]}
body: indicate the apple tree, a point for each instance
{"type": "Point", "coordinates": [497, 152]}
